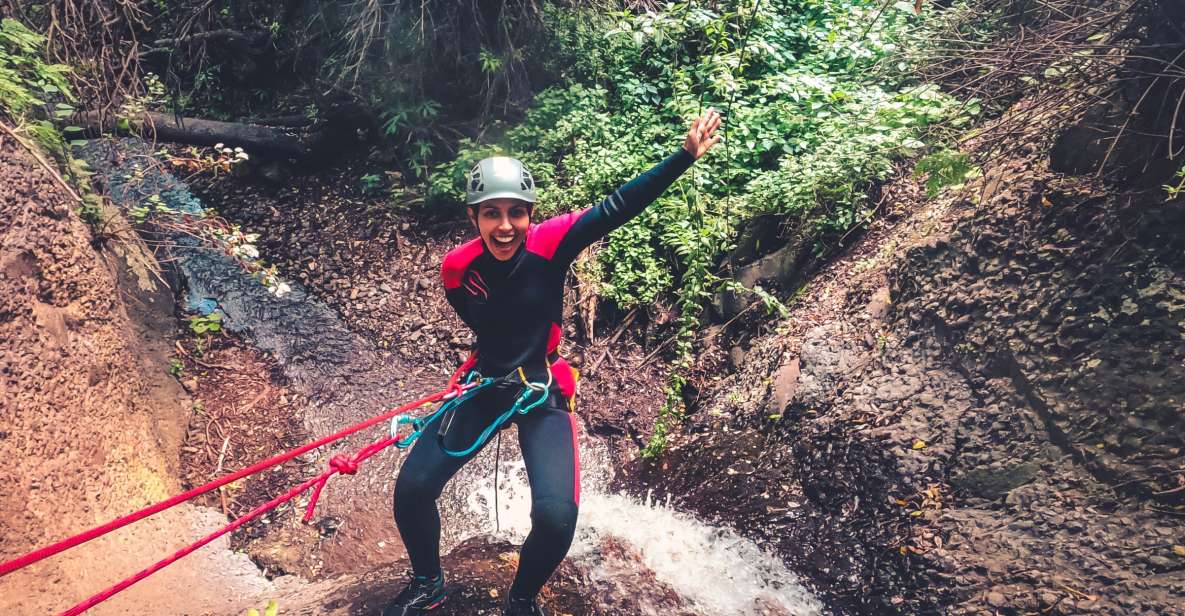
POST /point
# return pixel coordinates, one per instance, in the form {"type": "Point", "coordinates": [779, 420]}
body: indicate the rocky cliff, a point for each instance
{"type": "Point", "coordinates": [979, 408]}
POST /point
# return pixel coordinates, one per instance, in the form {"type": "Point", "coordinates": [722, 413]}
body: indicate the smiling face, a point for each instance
{"type": "Point", "coordinates": [502, 224]}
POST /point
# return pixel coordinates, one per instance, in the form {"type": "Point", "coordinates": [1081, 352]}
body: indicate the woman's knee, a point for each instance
{"type": "Point", "coordinates": [554, 516]}
{"type": "Point", "coordinates": [415, 488]}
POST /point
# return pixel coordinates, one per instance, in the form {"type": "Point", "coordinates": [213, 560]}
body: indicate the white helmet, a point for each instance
{"type": "Point", "coordinates": [499, 177]}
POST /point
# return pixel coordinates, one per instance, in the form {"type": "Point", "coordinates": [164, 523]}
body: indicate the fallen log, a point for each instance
{"type": "Point", "coordinates": [301, 143]}
{"type": "Point", "coordinates": [295, 120]}
{"type": "Point", "coordinates": [272, 140]}
{"type": "Point", "coordinates": [226, 34]}
{"type": "Point", "coordinates": [340, 129]}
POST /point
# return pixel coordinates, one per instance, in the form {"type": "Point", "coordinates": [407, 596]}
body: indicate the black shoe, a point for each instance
{"type": "Point", "coordinates": [522, 607]}
{"type": "Point", "coordinates": [421, 595]}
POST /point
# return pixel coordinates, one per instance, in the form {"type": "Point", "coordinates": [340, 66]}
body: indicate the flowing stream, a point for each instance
{"type": "Point", "coordinates": [713, 570]}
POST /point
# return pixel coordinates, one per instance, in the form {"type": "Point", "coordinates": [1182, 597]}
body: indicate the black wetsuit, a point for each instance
{"type": "Point", "coordinates": [515, 308]}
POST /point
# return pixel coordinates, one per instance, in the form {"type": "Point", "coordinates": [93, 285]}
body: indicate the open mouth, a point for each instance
{"type": "Point", "coordinates": [503, 241]}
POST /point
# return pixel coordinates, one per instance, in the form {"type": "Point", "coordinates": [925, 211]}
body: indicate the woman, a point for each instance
{"type": "Point", "coordinates": [507, 286]}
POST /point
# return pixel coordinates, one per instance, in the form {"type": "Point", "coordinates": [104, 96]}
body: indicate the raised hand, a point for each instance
{"type": "Point", "coordinates": [702, 134]}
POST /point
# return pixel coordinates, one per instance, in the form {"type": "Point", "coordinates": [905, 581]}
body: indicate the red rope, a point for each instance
{"type": "Point", "coordinates": [453, 389]}
{"type": "Point", "coordinates": [338, 464]}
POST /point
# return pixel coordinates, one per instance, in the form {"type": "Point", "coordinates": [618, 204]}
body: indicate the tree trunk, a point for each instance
{"type": "Point", "coordinates": [253, 138]}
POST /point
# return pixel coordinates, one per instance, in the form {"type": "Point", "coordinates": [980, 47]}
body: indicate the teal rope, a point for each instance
{"type": "Point", "coordinates": [502, 419]}
{"type": "Point", "coordinates": [420, 423]}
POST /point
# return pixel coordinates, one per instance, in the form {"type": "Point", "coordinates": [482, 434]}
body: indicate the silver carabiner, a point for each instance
{"type": "Point", "coordinates": [397, 421]}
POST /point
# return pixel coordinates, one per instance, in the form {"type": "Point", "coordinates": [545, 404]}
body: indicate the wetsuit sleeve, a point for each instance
{"type": "Point", "coordinates": [594, 223]}
{"type": "Point", "coordinates": [452, 273]}
{"type": "Point", "coordinates": [455, 299]}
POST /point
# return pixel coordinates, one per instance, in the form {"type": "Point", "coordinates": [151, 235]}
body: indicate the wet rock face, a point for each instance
{"type": "Point", "coordinates": [931, 444]}
{"type": "Point", "coordinates": [318, 353]}
{"type": "Point", "coordinates": [1080, 302]}
{"type": "Point", "coordinates": [615, 580]}
{"type": "Point", "coordinates": [816, 467]}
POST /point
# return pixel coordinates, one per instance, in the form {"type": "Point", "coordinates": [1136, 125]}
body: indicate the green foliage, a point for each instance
{"type": "Point", "coordinates": [811, 125]}
{"type": "Point", "coordinates": [770, 301]}
{"type": "Point", "coordinates": [946, 169]}
{"type": "Point", "coordinates": [1174, 190]}
{"type": "Point", "coordinates": [272, 609]}
{"type": "Point", "coordinates": [819, 104]}
{"type": "Point", "coordinates": [412, 123]}
{"type": "Point", "coordinates": [133, 107]}
{"type": "Point", "coordinates": [490, 62]}
{"type": "Point", "coordinates": [32, 92]}
{"type": "Point", "coordinates": [405, 118]}
{"type": "Point", "coordinates": [370, 182]}
{"type": "Point", "coordinates": [26, 81]}
{"type": "Point", "coordinates": [200, 324]}
{"type": "Point", "coordinates": [37, 96]}
{"type": "Point", "coordinates": [176, 367]}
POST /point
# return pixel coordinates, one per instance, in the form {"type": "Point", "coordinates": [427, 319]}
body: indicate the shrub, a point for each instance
{"type": "Point", "coordinates": [818, 102]}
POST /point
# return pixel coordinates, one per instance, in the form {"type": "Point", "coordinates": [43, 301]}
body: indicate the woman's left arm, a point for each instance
{"type": "Point", "coordinates": [571, 233]}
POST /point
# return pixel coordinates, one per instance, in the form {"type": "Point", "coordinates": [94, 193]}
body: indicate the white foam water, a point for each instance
{"type": "Point", "coordinates": [715, 570]}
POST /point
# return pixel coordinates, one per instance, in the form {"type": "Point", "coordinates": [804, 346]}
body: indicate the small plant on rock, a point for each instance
{"type": "Point", "coordinates": [946, 169]}
{"type": "Point", "coordinates": [202, 324]}
{"type": "Point", "coordinates": [370, 182]}
{"type": "Point", "coordinates": [1175, 190]}
{"type": "Point", "coordinates": [272, 609]}
{"type": "Point", "coordinates": [134, 107]}
{"type": "Point", "coordinates": [152, 206]}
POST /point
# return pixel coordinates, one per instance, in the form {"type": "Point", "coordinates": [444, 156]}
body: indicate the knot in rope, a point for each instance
{"type": "Point", "coordinates": [343, 464]}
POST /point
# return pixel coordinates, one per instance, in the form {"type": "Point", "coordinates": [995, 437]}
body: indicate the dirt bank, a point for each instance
{"type": "Point", "coordinates": [92, 422]}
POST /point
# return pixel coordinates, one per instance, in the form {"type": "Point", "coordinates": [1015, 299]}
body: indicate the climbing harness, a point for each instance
{"type": "Point", "coordinates": [542, 391]}
{"type": "Point", "coordinates": [418, 424]}
{"type": "Point", "coordinates": [522, 405]}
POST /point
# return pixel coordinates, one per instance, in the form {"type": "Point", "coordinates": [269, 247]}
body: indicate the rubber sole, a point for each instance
{"type": "Point", "coordinates": [412, 611]}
